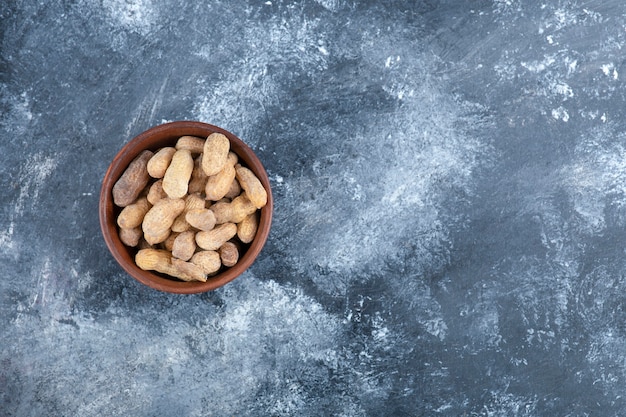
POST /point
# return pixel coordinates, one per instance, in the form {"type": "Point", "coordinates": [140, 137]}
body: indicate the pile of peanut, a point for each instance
{"type": "Point", "coordinates": [189, 209]}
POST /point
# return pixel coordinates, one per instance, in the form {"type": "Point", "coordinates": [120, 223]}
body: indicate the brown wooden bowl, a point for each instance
{"type": "Point", "coordinates": [158, 137]}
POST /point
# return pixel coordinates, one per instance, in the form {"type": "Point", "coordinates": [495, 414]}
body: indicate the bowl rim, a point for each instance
{"type": "Point", "coordinates": [168, 133]}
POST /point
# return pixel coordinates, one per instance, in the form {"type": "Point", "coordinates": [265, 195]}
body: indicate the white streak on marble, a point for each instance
{"type": "Point", "coordinates": [31, 179]}
{"type": "Point", "coordinates": [560, 114]}
{"type": "Point", "coordinates": [137, 16]}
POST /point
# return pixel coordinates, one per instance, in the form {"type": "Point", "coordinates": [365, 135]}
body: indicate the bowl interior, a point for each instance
{"type": "Point", "coordinates": [153, 139]}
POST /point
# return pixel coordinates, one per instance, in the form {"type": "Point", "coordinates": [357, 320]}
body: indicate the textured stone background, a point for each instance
{"type": "Point", "coordinates": [448, 239]}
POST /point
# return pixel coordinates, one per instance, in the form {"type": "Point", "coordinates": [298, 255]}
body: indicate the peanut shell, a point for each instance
{"type": "Point", "coordinates": [178, 174]}
{"type": "Point", "coordinates": [157, 165]}
{"type": "Point", "coordinates": [133, 180]}
{"type": "Point", "coordinates": [215, 153]}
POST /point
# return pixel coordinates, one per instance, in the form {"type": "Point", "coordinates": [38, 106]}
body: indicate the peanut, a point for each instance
{"type": "Point", "coordinates": [187, 268]}
{"type": "Point", "coordinates": [246, 229]}
{"type": "Point", "coordinates": [233, 212]}
{"type": "Point", "coordinates": [232, 158]}
{"type": "Point", "coordinates": [131, 237]}
{"type": "Point", "coordinates": [208, 260]}
{"type": "Point", "coordinates": [193, 144]}
{"type": "Point", "coordinates": [198, 177]}
{"type": "Point", "coordinates": [229, 254]}
{"type": "Point", "coordinates": [133, 180]}
{"type": "Point", "coordinates": [215, 153]}
{"type": "Point", "coordinates": [222, 211]}
{"type": "Point", "coordinates": [184, 245]}
{"type": "Point", "coordinates": [213, 239]}
{"type": "Point", "coordinates": [178, 174]}
{"type": "Point", "coordinates": [168, 244]}
{"type": "Point", "coordinates": [161, 261]}
{"type": "Point", "coordinates": [155, 193]}
{"type": "Point", "coordinates": [202, 219]}
{"type": "Point", "coordinates": [152, 259]}
{"type": "Point", "coordinates": [218, 185]}
{"type": "Point", "coordinates": [158, 220]}
{"type": "Point", "coordinates": [132, 215]}
{"type": "Point", "coordinates": [252, 186]}
{"type": "Point", "coordinates": [234, 190]}
{"type": "Point", "coordinates": [192, 202]}
{"type": "Point", "coordinates": [157, 165]}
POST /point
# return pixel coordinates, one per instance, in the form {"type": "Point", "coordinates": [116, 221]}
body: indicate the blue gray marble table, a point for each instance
{"type": "Point", "coordinates": [450, 208]}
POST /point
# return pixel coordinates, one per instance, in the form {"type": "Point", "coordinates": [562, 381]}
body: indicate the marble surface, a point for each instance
{"type": "Point", "coordinates": [450, 208]}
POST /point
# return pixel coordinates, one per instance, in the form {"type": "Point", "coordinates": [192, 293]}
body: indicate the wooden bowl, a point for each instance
{"type": "Point", "coordinates": [158, 137]}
